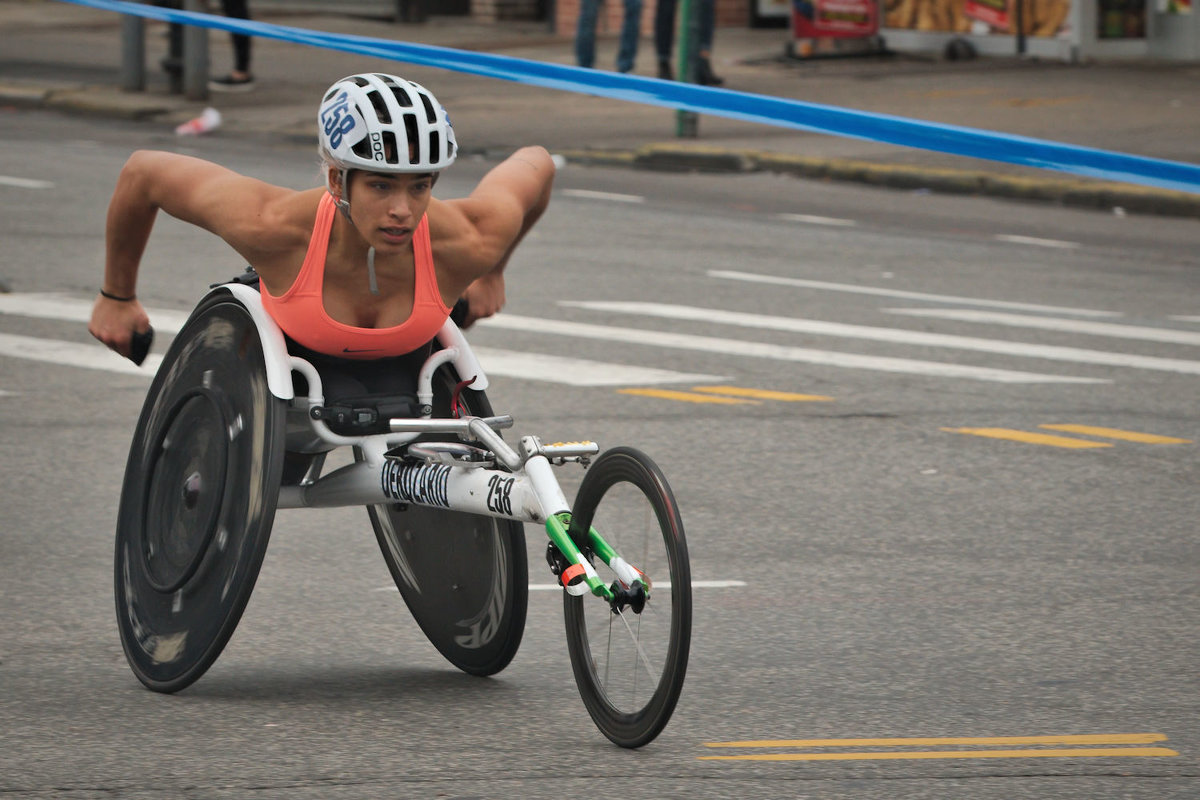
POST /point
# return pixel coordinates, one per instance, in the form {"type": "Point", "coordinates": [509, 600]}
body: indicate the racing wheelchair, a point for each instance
{"type": "Point", "coordinates": [235, 426]}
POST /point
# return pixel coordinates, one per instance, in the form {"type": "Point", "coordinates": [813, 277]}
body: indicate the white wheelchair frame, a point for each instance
{"type": "Point", "coordinates": [446, 475]}
{"type": "Point", "coordinates": [191, 533]}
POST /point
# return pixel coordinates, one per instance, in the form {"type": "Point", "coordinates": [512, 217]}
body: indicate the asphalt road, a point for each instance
{"type": "Point", "coordinates": [916, 608]}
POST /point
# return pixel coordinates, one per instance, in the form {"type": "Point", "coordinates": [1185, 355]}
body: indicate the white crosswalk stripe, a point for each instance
{"type": "Point", "coordinates": [879, 291]}
{"type": "Point", "coordinates": [1087, 327]}
{"type": "Point", "coordinates": [734, 347]}
{"type": "Point", "coordinates": [496, 361]}
{"type": "Point", "coordinates": [73, 354]}
{"type": "Point", "coordinates": [566, 369]}
{"type": "Point", "coordinates": [1077, 355]}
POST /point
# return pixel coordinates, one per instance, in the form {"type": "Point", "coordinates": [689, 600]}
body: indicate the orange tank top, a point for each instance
{"type": "Point", "coordinates": [300, 311]}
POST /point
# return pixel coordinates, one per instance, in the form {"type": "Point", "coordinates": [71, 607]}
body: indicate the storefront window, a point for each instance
{"type": "Point", "coordinates": [1122, 19]}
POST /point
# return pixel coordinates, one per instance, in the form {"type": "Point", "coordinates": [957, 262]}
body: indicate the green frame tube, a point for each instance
{"type": "Point", "coordinates": [557, 526]}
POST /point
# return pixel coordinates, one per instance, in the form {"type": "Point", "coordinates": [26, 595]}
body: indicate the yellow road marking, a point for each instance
{"type": "Point", "coordinates": [763, 394]}
{"type": "Point", "coordinates": [1028, 437]}
{"type": "Point", "coordinates": [1091, 752]}
{"type": "Point", "coordinates": [1115, 433]}
{"type": "Point", "coordinates": [1085, 738]}
{"type": "Point", "coordinates": [938, 94]}
{"type": "Point", "coordinates": [1030, 102]}
{"type": "Point", "coordinates": [687, 397]}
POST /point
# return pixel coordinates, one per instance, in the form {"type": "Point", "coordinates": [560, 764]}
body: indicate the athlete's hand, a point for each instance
{"type": "Point", "coordinates": [115, 321]}
{"type": "Point", "coordinates": [485, 297]}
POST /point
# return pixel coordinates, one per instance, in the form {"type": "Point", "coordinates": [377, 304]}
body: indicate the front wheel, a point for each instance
{"type": "Point", "coordinates": [630, 665]}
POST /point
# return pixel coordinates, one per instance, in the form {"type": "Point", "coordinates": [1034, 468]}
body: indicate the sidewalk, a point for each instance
{"type": "Point", "coordinates": [67, 57]}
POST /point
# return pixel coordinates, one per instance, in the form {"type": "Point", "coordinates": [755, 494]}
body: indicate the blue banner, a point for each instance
{"type": "Point", "coordinates": [833, 120]}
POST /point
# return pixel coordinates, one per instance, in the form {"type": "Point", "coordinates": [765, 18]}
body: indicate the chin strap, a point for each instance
{"type": "Point", "coordinates": [371, 272]}
{"type": "Point", "coordinates": [344, 207]}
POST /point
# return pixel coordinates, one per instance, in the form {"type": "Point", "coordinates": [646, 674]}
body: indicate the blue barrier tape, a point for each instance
{"type": "Point", "coordinates": [787, 113]}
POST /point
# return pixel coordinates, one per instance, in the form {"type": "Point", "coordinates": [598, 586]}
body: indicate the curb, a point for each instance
{"type": "Point", "coordinates": [1074, 192]}
{"type": "Point", "coordinates": [79, 98]}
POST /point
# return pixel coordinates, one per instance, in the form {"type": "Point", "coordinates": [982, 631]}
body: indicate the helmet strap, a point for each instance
{"type": "Point", "coordinates": [343, 205]}
{"type": "Point", "coordinates": [371, 282]}
{"type": "Point", "coordinates": [341, 198]}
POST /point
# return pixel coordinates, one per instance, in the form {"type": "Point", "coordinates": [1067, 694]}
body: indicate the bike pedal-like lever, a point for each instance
{"type": "Point", "coordinates": [562, 452]}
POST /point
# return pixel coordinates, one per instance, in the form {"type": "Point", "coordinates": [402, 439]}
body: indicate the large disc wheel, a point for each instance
{"type": "Point", "coordinates": [199, 498]}
{"type": "Point", "coordinates": [630, 665]}
{"type": "Point", "coordinates": [464, 576]}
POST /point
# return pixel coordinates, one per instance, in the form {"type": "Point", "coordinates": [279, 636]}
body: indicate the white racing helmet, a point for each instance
{"type": "Point", "coordinates": [383, 123]}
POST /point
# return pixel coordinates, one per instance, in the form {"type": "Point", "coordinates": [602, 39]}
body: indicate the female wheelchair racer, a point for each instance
{"type": "Point", "coordinates": [238, 420]}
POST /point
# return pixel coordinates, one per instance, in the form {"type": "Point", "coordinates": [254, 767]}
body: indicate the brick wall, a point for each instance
{"type": "Point", "coordinates": [729, 13]}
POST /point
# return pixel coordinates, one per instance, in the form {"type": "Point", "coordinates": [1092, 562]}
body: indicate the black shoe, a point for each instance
{"type": "Point", "coordinates": [704, 74]}
{"type": "Point", "coordinates": [664, 70]}
{"type": "Point", "coordinates": [231, 84]}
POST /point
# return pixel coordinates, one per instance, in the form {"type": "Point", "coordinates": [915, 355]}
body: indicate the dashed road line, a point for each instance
{"type": "Point", "coordinates": [589, 194]}
{"type": "Point", "coordinates": [1092, 752]}
{"type": "Point", "coordinates": [727, 395]}
{"type": "Point", "coordinates": [24, 183]}
{"type": "Point", "coordinates": [812, 219]}
{"type": "Point", "coordinates": [764, 394]}
{"type": "Point", "coordinates": [1032, 437]}
{"type": "Point", "coordinates": [1029, 437]}
{"type": "Point", "coordinates": [497, 362]}
{"type": "Point", "coordinates": [940, 741]}
{"type": "Point", "coordinates": [73, 354]}
{"type": "Point", "coordinates": [549, 587]}
{"type": "Point", "coordinates": [712, 344]}
{"type": "Point", "coordinates": [1078, 355]}
{"type": "Point", "coordinates": [51, 305]}
{"type": "Point", "coordinates": [1085, 746]}
{"type": "Point", "coordinates": [715, 584]}
{"type": "Point", "coordinates": [1035, 241]}
{"type": "Point", "coordinates": [1115, 433]}
{"type": "Point", "coordinates": [879, 291]}
{"type": "Point", "coordinates": [687, 397]}
{"type": "Point", "coordinates": [1113, 329]}
{"type": "Point", "coordinates": [575, 371]}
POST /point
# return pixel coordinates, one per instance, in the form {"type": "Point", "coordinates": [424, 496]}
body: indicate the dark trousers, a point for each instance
{"type": "Point", "coordinates": [235, 9]}
{"type": "Point", "coordinates": [664, 26]}
{"type": "Point", "coordinates": [238, 9]}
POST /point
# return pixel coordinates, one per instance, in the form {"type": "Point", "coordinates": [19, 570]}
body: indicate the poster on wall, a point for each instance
{"type": "Point", "coordinates": [979, 17]}
{"type": "Point", "coordinates": [834, 19]}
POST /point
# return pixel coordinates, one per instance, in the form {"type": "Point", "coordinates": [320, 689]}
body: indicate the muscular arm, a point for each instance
{"type": "Point", "coordinates": [498, 213]}
{"type": "Point", "coordinates": [245, 212]}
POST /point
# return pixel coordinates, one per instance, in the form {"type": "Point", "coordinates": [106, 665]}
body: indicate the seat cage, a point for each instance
{"type": "Point", "coordinates": [280, 364]}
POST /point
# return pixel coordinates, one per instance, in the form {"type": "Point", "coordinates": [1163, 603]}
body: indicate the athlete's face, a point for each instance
{"type": "Point", "coordinates": [386, 208]}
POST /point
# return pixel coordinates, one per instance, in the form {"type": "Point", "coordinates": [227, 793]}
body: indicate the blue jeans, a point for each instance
{"type": "Point", "coordinates": [585, 34]}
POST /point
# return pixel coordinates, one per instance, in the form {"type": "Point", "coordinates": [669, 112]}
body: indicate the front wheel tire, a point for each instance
{"type": "Point", "coordinates": [630, 666]}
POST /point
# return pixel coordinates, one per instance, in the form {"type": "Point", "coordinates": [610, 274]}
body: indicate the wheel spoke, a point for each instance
{"type": "Point", "coordinates": [637, 643]}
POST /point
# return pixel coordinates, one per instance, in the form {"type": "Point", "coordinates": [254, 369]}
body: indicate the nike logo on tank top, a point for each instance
{"type": "Point", "coordinates": [300, 311]}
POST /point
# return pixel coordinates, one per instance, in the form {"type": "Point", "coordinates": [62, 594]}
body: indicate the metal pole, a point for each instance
{"type": "Point", "coordinates": [687, 123]}
{"type": "Point", "coordinates": [195, 55]}
{"type": "Point", "coordinates": [133, 53]}
{"type": "Point", "coordinates": [1020, 20]}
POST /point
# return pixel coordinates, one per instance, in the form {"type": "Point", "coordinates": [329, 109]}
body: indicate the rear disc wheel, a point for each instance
{"type": "Point", "coordinates": [464, 577]}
